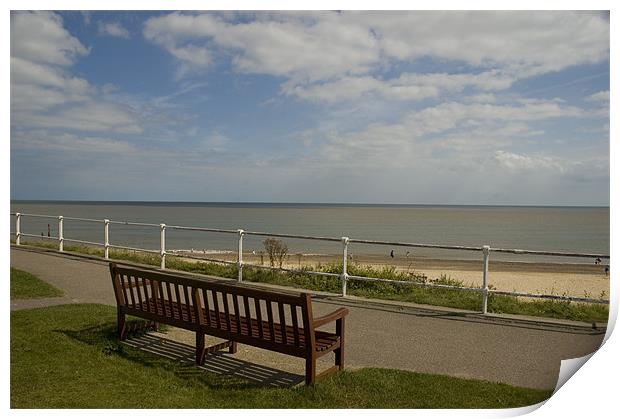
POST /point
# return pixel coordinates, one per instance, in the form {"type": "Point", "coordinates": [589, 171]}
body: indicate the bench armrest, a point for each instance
{"type": "Point", "coordinates": [328, 318]}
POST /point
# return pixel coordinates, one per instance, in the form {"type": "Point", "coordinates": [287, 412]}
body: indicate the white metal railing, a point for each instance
{"type": "Point", "coordinates": [343, 276]}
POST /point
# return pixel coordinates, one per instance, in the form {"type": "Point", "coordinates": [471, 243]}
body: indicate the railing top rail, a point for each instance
{"type": "Point", "coordinates": [339, 239]}
{"type": "Point", "coordinates": [292, 236]}
{"type": "Point", "coordinates": [405, 244]}
{"type": "Point", "coordinates": [212, 230]}
{"type": "Point", "coordinates": [548, 253]}
{"type": "Point", "coordinates": [131, 223]}
{"type": "Point", "coordinates": [38, 215]}
{"type": "Point", "coordinates": [84, 219]}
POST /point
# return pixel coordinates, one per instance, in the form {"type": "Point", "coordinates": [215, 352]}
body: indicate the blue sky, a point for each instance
{"type": "Point", "coordinates": [373, 107]}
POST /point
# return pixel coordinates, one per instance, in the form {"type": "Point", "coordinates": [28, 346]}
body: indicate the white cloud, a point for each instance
{"type": "Point", "coordinates": [44, 93]}
{"type": "Point", "coordinates": [462, 127]}
{"type": "Point", "coordinates": [602, 96]}
{"type": "Point", "coordinates": [521, 162]}
{"type": "Point", "coordinates": [69, 143]}
{"type": "Point", "coordinates": [89, 116]}
{"type": "Point", "coordinates": [328, 45]}
{"type": "Point", "coordinates": [285, 47]}
{"type": "Point", "coordinates": [113, 29]}
{"type": "Point", "coordinates": [40, 37]}
{"type": "Point", "coordinates": [408, 86]}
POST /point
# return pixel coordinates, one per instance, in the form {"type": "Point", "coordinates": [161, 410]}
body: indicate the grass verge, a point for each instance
{"type": "Point", "coordinates": [24, 285]}
{"type": "Point", "coordinates": [467, 300]}
{"type": "Point", "coordinates": [68, 357]}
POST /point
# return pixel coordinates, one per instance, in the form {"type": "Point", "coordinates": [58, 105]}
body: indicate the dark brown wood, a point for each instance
{"type": "Point", "coordinates": [200, 347]}
{"type": "Point", "coordinates": [216, 305]}
{"type": "Point", "coordinates": [295, 325]}
{"type": "Point", "coordinates": [206, 305]}
{"type": "Point", "coordinates": [133, 301]}
{"type": "Point", "coordinates": [272, 334]}
{"type": "Point", "coordinates": [177, 294]}
{"type": "Point", "coordinates": [259, 316]}
{"type": "Point", "coordinates": [226, 311]}
{"type": "Point", "coordinates": [186, 294]}
{"type": "Point", "coordinates": [237, 313]}
{"type": "Point", "coordinates": [282, 322]}
{"type": "Point", "coordinates": [247, 313]}
{"type": "Point", "coordinates": [339, 353]}
{"type": "Point", "coordinates": [183, 301]}
{"type": "Point", "coordinates": [122, 279]}
{"type": "Point", "coordinates": [169, 297]}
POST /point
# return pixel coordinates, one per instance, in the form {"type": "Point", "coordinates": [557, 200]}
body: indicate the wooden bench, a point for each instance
{"type": "Point", "coordinates": [274, 320]}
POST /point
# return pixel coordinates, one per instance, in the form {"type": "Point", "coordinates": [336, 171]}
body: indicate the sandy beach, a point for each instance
{"type": "Point", "coordinates": [568, 279]}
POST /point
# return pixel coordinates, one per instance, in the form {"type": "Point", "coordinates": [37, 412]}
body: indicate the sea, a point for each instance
{"type": "Point", "coordinates": [569, 229]}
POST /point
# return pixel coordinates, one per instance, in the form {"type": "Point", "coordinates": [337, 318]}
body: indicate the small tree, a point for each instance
{"type": "Point", "coordinates": [276, 250]}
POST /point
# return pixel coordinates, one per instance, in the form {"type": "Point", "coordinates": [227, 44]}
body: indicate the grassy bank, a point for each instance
{"type": "Point", "coordinates": [24, 285]}
{"type": "Point", "coordinates": [68, 357]}
{"type": "Point", "coordinates": [467, 300]}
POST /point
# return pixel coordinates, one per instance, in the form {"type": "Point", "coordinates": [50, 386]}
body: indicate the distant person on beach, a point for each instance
{"type": "Point", "coordinates": [407, 254]}
{"type": "Point", "coordinates": [597, 261]}
{"type": "Point", "coordinates": [606, 270]}
{"type": "Point", "coordinates": [392, 253]}
{"type": "Point", "coordinates": [49, 231]}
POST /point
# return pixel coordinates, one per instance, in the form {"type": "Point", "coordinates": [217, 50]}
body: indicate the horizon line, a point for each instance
{"type": "Point", "coordinates": [303, 203]}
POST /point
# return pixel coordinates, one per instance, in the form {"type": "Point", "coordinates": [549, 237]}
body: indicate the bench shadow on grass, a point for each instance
{"type": "Point", "coordinates": [228, 369]}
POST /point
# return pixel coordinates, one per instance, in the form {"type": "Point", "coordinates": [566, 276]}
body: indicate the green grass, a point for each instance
{"type": "Point", "coordinates": [68, 357]}
{"type": "Point", "coordinates": [466, 300]}
{"type": "Point", "coordinates": [24, 285]}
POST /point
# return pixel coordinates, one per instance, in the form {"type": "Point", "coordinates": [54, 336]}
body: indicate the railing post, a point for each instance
{"type": "Point", "coordinates": [18, 228]}
{"type": "Point", "coordinates": [485, 278]}
{"type": "Point", "coordinates": [162, 245]}
{"type": "Point", "coordinates": [106, 238]}
{"type": "Point", "coordinates": [60, 234]}
{"type": "Point", "coordinates": [344, 277]}
{"type": "Point", "coordinates": [240, 256]}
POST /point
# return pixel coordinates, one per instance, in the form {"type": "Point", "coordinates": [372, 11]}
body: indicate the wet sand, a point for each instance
{"type": "Point", "coordinates": [569, 279]}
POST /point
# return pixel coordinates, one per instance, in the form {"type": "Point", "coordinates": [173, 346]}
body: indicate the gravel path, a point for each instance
{"type": "Point", "coordinates": [513, 350]}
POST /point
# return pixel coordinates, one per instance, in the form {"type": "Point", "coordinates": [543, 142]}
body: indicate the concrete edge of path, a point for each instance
{"type": "Point", "coordinates": [330, 298]}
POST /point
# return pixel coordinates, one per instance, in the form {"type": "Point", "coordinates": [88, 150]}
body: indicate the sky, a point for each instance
{"type": "Point", "coordinates": [405, 107]}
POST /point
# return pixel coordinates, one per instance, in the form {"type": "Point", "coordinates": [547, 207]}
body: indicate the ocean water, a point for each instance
{"type": "Point", "coordinates": [572, 229]}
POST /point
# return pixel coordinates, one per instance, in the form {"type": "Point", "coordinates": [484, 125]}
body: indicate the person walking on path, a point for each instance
{"type": "Point", "coordinates": [49, 231]}
{"type": "Point", "coordinates": [392, 254]}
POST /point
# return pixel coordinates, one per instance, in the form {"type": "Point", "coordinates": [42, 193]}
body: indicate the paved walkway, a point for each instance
{"type": "Point", "coordinates": [517, 351]}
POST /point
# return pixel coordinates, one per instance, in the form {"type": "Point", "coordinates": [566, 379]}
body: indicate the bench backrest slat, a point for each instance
{"type": "Point", "coordinates": [295, 324]}
{"type": "Point", "coordinates": [205, 302]}
{"type": "Point", "coordinates": [272, 335]}
{"type": "Point", "coordinates": [248, 315]}
{"type": "Point", "coordinates": [226, 310]}
{"type": "Point", "coordinates": [237, 315]}
{"type": "Point", "coordinates": [131, 286]}
{"type": "Point", "coordinates": [259, 317]}
{"type": "Point", "coordinates": [145, 289]}
{"type": "Point", "coordinates": [282, 318]}
{"type": "Point", "coordinates": [169, 298]}
{"type": "Point", "coordinates": [216, 307]}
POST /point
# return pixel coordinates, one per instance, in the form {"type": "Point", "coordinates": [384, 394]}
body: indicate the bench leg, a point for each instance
{"type": "Point", "coordinates": [121, 324]}
{"type": "Point", "coordinates": [232, 349]}
{"type": "Point", "coordinates": [339, 353]}
{"type": "Point", "coordinates": [310, 369]}
{"type": "Point", "coordinates": [200, 348]}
